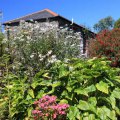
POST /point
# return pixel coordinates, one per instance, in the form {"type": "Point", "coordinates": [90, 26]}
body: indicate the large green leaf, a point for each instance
{"type": "Point", "coordinates": [81, 91]}
{"type": "Point", "coordinates": [29, 110]}
{"type": "Point", "coordinates": [116, 93]}
{"type": "Point", "coordinates": [63, 101]}
{"type": "Point", "coordinates": [40, 94]}
{"type": "Point", "coordinates": [117, 78]}
{"type": "Point", "coordinates": [101, 114]}
{"type": "Point", "coordinates": [46, 83]}
{"type": "Point", "coordinates": [105, 114]}
{"type": "Point", "coordinates": [83, 105]}
{"type": "Point", "coordinates": [92, 101]}
{"type": "Point", "coordinates": [67, 95]}
{"type": "Point", "coordinates": [87, 106]}
{"type": "Point", "coordinates": [63, 71]}
{"type": "Point", "coordinates": [91, 88]}
{"type": "Point", "coordinates": [56, 84]}
{"type": "Point", "coordinates": [34, 84]}
{"type": "Point", "coordinates": [89, 117]}
{"type": "Point", "coordinates": [31, 93]}
{"type": "Point", "coordinates": [85, 91]}
{"type": "Point", "coordinates": [103, 87]}
{"type": "Point", "coordinates": [69, 88]}
{"type": "Point", "coordinates": [51, 91]}
{"type": "Point", "coordinates": [74, 113]}
{"type": "Point", "coordinates": [112, 101]}
{"type": "Point", "coordinates": [79, 64]}
{"type": "Point", "coordinates": [70, 115]}
{"type": "Point", "coordinates": [117, 110]}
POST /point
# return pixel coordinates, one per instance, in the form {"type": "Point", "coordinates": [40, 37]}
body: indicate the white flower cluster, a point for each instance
{"type": "Point", "coordinates": [35, 44]}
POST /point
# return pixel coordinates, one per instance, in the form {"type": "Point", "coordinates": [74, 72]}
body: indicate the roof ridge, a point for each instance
{"type": "Point", "coordinates": [51, 12]}
{"type": "Point", "coordinates": [48, 10]}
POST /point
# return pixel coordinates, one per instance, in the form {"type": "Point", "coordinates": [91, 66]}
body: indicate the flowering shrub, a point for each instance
{"type": "Point", "coordinates": [33, 46]}
{"type": "Point", "coordinates": [107, 43]}
{"type": "Point", "coordinates": [47, 107]}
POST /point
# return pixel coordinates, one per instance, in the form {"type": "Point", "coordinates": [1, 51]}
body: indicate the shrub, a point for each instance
{"type": "Point", "coordinates": [1, 46]}
{"type": "Point", "coordinates": [90, 87]}
{"type": "Point", "coordinates": [107, 44]}
{"type": "Point", "coordinates": [34, 46]}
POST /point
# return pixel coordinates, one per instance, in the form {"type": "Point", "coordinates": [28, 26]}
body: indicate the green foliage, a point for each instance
{"type": "Point", "coordinates": [90, 87]}
{"type": "Point", "coordinates": [1, 37]}
{"type": "Point", "coordinates": [117, 24]}
{"type": "Point", "coordinates": [17, 98]}
{"type": "Point", "coordinates": [1, 46]}
{"type": "Point", "coordinates": [104, 24]}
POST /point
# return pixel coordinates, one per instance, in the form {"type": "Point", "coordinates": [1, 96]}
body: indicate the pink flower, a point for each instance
{"type": "Point", "coordinates": [36, 102]}
{"type": "Point", "coordinates": [48, 107]}
{"type": "Point", "coordinates": [62, 113]}
{"type": "Point", "coordinates": [54, 107]}
{"type": "Point", "coordinates": [42, 105]}
{"type": "Point", "coordinates": [51, 99]}
{"type": "Point", "coordinates": [36, 112]}
{"type": "Point", "coordinates": [54, 115]}
{"type": "Point", "coordinates": [47, 114]}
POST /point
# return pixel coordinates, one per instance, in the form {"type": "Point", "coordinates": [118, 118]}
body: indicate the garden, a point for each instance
{"type": "Point", "coordinates": [44, 75]}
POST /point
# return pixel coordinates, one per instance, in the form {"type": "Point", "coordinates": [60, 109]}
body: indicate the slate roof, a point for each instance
{"type": "Point", "coordinates": [46, 13]}
{"type": "Point", "coordinates": [43, 14]}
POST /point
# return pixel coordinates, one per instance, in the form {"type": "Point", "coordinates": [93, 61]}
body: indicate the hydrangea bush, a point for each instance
{"type": "Point", "coordinates": [47, 108]}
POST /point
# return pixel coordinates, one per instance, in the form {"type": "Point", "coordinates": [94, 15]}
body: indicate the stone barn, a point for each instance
{"type": "Point", "coordinates": [53, 18]}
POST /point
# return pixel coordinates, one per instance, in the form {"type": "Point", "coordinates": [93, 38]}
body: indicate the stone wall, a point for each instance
{"type": "Point", "coordinates": [38, 28]}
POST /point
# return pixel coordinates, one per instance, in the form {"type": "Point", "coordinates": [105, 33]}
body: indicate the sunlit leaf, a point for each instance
{"type": "Point", "coordinates": [81, 91]}
{"type": "Point", "coordinates": [116, 93]}
{"type": "Point", "coordinates": [31, 93]}
{"type": "Point", "coordinates": [83, 105]}
{"type": "Point", "coordinates": [103, 87]}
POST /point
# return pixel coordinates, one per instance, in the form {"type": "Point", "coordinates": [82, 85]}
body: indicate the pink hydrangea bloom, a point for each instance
{"type": "Point", "coordinates": [54, 115]}
{"type": "Point", "coordinates": [36, 102]}
{"type": "Point", "coordinates": [36, 112]}
{"type": "Point", "coordinates": [49, 108]}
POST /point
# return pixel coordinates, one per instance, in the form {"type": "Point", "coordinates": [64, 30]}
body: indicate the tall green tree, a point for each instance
{"type": "Point", "coordinates": [117, 24]}
{"type": "Point", "coordinates": [104, 24]}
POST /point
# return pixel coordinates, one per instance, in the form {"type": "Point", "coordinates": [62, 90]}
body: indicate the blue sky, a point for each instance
{"type": "Point", "coordinates": [86, 12]}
